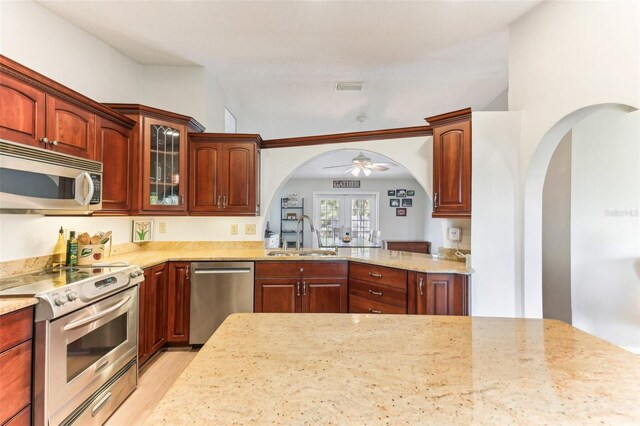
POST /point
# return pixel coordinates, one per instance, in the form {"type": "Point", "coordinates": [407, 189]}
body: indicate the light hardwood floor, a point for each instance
{"type": "Point", "coordinates": [154, 380]}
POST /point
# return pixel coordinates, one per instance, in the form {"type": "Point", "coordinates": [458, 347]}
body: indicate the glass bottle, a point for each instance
{"type": "Point", "coordinates": [60, 251]}
{"type": "Point", "coordinates": [72, 249]}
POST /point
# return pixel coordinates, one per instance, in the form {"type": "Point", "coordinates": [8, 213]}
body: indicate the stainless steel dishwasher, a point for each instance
{"type": "Point", "coordinates": [218, 289]}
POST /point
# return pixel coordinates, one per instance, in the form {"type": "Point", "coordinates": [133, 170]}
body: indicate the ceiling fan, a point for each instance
{"type": "Point", "coordinates": [362, 164]}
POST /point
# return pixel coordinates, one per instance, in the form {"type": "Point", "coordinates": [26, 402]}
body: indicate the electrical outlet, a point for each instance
{"type": "Point", "coordinates": [234, 229]}
{"type": "Point", "coordinates": [454, 234]}
{"type": "Point", "coordinates": [250, 229]}
{"type": "Point", "coordinates": [162, 227]}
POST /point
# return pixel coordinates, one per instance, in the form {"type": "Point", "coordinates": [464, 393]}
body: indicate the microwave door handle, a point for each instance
{"type": "Point", "coordinates": [94, 317]}
{"type": "Point", "coordinates": [92, 188]}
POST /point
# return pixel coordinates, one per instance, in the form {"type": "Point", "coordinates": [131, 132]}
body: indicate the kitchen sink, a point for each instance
{"type": "Point", "coordinates": [303, 253]}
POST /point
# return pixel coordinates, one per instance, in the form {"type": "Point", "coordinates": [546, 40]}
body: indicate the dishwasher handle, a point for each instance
{"type": "Point", "coordinates": [222, 271]}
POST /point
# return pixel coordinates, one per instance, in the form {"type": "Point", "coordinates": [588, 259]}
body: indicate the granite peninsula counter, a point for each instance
{"type": "Point", "coordinates": [393, 369]}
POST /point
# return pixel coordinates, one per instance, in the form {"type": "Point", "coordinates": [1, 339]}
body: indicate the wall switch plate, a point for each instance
{"type": "Point", "coordinates": [454, 234]}
{"type": "Point", "coordinates": [250, 229]}
{"type": "Point", "coordinates": [162, 227]}
{"type": "Point", "coordinates": [234, 229]}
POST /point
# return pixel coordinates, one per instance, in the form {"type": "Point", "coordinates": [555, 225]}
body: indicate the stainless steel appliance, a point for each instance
{"type": "Point", "coordinates": [34, 180]}
{"type": "Point", "coordinates": [218, 289]}
{"type": "Point", "coordinates": [86, 340]}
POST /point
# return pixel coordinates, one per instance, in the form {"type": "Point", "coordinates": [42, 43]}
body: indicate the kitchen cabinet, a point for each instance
{"type": "Point", "coordinates": [153, 312]}
{"type": "Point", "coordinates": [452, 164]}
{"type": "Point", "coordinates": [306, 287]}
{"type": "Point", "coordinates": [114, 145]}
{"type": "Point", "coordinates": [38, 111]}
{"type": "Point", "coordinates": [224, 174]}
{"type": "Point", "coordinates": [16, 333]}
{"type": "Point", "coordinates": [159, 159]}
{"type": "Point", "coordinates": [441, 294]}
{"type": "Point", "coordinates": [179, 303]}
{"type": "Point", "coordinates": [377, 289]}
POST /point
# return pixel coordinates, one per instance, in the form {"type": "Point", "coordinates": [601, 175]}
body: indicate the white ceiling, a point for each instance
{"type": "Point", "coordinates": [278, 61]}
{"type": "Point", "coordinates": [314, 169]}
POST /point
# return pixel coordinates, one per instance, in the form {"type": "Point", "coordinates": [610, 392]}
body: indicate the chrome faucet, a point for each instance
{"type": "Point", "coordinates": [301, 219]}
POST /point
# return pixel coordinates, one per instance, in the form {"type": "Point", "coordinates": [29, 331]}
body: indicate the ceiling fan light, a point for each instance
{"type": "Point", "coordinates": [355, 172]}
{"type": "Point", "coordinates": [366, 171]}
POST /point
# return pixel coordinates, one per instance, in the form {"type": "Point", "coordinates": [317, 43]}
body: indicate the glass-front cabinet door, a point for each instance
{"type": "Point", "coordinates": [165, 159]}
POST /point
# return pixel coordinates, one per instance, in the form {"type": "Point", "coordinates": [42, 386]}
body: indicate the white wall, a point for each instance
{"type": "Point", "coordinates": [605, 226]}
{"type": "Point", "coordinates": [411, 227]}
{"type": "Point", "coordinates": [564, 56]}
{"type": "Point", "coordinates": [495, 251]}
{"type": "Point", "coordinates": [556, 235]}
{"type": "Point", "coordinates": [44, 42]}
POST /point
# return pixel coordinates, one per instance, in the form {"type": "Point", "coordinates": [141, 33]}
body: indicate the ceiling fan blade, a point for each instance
{"type": "Point", "coordinates": [378, 168]}
{"type": "Point", "coordinates": [349, 170]}
{"type": "Point", "coordinates": [333, 167]}
{"type": "Point", "coordinates": [383, 164]}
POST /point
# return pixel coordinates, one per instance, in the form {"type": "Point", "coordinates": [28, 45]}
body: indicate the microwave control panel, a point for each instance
{"type": "Point", "coordinates": [97, 188]}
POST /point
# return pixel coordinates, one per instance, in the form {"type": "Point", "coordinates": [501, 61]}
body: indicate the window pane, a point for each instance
{"type": "Point", "coordinates": [360, 218]}
{"type": "Point", "coordinates": [329, 219]}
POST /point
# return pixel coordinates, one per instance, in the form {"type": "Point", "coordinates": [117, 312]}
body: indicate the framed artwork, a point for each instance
{"type": "Point", "coordinates": [401, 211]}
{"type": "Point", "coordinates": [142, 231]}
{"type": "Point", "coordinates": [391, 193]}
{"type": "Point", "coordinates": [407, 202]}
{"type": "Point", "coordinates": [411, 193]}
{"type": "Point", "coordinates": [401, 193]}
{"type": "Point", "coordinates": [394, 202]}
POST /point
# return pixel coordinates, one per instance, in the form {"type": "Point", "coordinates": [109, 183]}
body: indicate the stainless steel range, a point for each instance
{"type": "Point", "coordinates": [86, 340]}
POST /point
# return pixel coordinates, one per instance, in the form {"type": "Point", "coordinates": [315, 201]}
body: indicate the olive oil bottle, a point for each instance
{"type": "Point", "coordinates": [60, 251]}
{"type": "Point", "coordinates": [72, 249]}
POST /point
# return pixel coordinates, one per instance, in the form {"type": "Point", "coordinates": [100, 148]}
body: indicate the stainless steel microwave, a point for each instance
{"type": "Point", "coordinates": [34, 180]}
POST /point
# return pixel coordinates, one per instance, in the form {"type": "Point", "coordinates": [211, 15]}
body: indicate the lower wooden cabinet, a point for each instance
{"type": "Point", "coordinates": [153, 312]}
{"type": "Point", "coordinates": [16, 357]}
{"type": "Point", "coordinates": [179, 302]}
{"type": "Point", "coordinates": [441, 294]}
{"type": "Point", "coordinates": [307, 287]}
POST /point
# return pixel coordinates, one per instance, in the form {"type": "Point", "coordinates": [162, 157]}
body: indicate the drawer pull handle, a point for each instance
{"type": "Point", "coordinates": [377, 293]}
{"type": "Point", "coordinates": [298, 289]}
{"type": "Point", "coordinates": [421, 286]}
{"type": "Point", "coordinates": [375, 311]}
{"type": "Point", "coordinates": [375, 274]}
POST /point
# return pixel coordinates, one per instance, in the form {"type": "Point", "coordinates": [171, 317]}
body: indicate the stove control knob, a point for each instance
{"type": "Point", "coordinates": [72, 296]}
{"type": "Point", "coordinates": [133, 274]}
{"type": "Point", "coordinates": [60, 300]}
{"type": "Point", "coordinates": [140, 272]}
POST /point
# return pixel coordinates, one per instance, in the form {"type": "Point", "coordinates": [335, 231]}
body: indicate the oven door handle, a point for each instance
{"type": "Point", "coordinates": [94, 317]}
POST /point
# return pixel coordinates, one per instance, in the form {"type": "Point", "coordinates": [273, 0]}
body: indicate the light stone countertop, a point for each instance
{"type": "Point", "coordinates": [11, 304]}
{"type": "Point", "coordinates": [391, 258]}
{"type": "Point", "coordinates": [346, 369]}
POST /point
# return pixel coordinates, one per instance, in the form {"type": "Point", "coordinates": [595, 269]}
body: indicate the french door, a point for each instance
{"type": "Point", "coordinates": [357, 211]}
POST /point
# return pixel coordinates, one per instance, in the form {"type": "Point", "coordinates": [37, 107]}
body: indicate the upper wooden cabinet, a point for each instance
{"type": "Point", "coordinates": [38, 111]}
{"type": "Point", "coordinates": [159, 159]}
{"type": "Point", "coordinates": [452, 164]}
{"type": "Point", "coordinates": [224, 174]}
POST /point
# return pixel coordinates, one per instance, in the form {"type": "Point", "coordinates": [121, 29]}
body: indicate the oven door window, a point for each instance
{"type": "Point", "coordinates": [82, 353]}
{"type": "Point", "coordinates": [36, 185]}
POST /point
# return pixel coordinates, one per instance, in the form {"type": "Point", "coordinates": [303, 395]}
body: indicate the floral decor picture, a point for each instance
{"type": "Point", "coordinates": [142, 231]}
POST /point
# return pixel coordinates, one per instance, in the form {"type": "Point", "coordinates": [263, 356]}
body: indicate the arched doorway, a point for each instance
{"type": "Point", "coordinates": [582, 194]}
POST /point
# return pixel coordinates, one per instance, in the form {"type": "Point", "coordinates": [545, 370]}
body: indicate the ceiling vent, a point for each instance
{"type": "Point", "coordinates": [349, 86]}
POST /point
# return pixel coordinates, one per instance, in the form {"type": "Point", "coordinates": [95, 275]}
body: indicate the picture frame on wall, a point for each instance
{"type": "Point", "coordinates": [401, 211]}
{"type": "Point", "coordinates": [391, 193]}
{"type": "Point", "coordinates": [142, 231]}
{"type": "Point", "coordinates": [401, 193]}
{"type": "Point", "coordinates": [411, 193]}
{"type": "Point", "coordinates": [394, 202]}
{"type": "Point", "coordinates": [407, 202]}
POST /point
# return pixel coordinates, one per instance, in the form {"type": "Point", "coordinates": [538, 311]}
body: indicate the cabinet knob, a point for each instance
{"type": "Point", "coordinates": [54, 143]}
{"type": "Point", "coordinates": [301, 269]}
{"type": "Point", "coordinates": [44, 140]}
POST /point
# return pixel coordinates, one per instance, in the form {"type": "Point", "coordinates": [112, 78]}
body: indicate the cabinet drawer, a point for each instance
{"type": "Point", "coordinates": [379, 293]}
{"type": "Point", "coordinates": [378, 274]}
{"type": "Point", "coordinates": [23, 418]}
{"type": "Point", "coordinates": [16, 328]}
{"type": "Point", "coordinates": [360, 305]}
{"type": "Point", "coordinates": [301, 269]}
{"type": "Point", "coordinates": [15, 380]}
